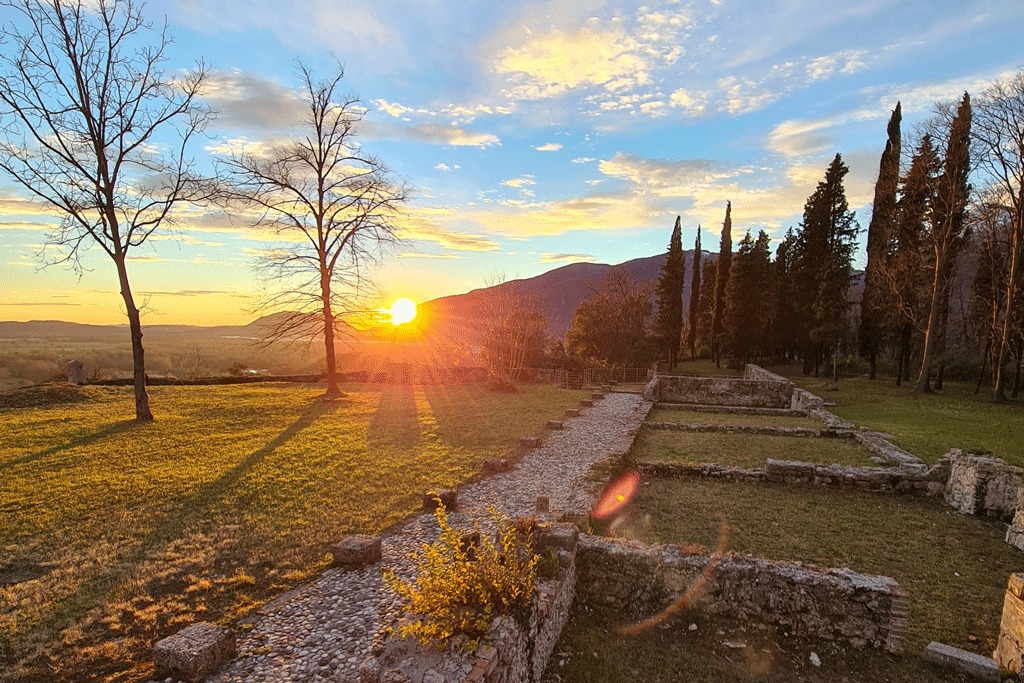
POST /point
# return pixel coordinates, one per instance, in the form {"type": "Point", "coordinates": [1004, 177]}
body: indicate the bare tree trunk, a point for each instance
{"type": "Point", "coordinates": [931, 335]}
{"type": "Point", "coordinates": [143, 413]}
{"type": "Point", "coordinates": [942, 340]}
{"type": "Point", "coordinates": [332, 371]}
{"type": "Point", "coordinates": [1016, 375]}
{"type": "Point", "coordinates": [999, 392]}
{"type": "Point", "coordinates": [984, 365]}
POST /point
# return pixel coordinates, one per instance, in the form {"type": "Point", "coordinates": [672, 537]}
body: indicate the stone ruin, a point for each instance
{"type": "Point", "coordinates": [76, 373]}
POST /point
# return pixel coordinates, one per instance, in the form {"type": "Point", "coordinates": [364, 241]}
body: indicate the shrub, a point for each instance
{"type": "Point", "coordinates": [460, 588]}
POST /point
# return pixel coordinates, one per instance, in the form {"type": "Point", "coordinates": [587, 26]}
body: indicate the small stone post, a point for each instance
{"type": "Point", "coordinates": [76, 372]}
{"type": "Point", "coordinates": [1010, 647]}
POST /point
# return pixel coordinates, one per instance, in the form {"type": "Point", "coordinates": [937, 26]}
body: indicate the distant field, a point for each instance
{"type": "Point", "coordinates": [232, 496]}
{"type": "Point", "coordinates": [927, 425]}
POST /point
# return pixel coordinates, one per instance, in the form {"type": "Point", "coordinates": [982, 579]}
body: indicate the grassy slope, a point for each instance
{"type": "Point", "coordinates": [927, 425]}
{"type": "Point", "coordinates": [232, 496]}
{"type": "Point", "coordinates": [745, 450]}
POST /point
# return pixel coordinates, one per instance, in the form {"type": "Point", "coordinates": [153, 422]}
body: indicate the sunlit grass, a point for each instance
{"type": "Point", "coordinates": [233, 495]}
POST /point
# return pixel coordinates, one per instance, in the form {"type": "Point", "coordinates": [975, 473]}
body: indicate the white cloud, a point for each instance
{"type": "Point", "coordinates": [249, 101]}
{"type": "Point", "coordinates": [429, 132]}
{"type": "Point", "coordinates": [549, 147]}
{"type": "Point", "coordinates": [520, 182]}
{"type": "Point", "coordinates": [566, 258]}
{"type": "Point", "coordinates": [583, 160]}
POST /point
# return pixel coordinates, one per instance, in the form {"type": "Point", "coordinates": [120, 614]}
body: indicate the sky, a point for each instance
{"type": "Point", "coordinates": [535, 134]}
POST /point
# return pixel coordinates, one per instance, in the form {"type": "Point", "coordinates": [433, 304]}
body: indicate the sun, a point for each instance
{"type": "Point", "coordinates": [402, 311]}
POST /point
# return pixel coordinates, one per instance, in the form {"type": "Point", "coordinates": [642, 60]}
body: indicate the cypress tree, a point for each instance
{"type": "Point", "coordinates": [880, 230]}
{"type": "Point", "coordinates": [669, 292]}
{"type": "Point", "coordinates": [824, 251]}
{"type": "Point", "coordinates": [706, 305]}
{"type": "Point", "coordinates": [695, 268]}
{"type": "Point", "coordinates": [948, 231]}
{"type": "Point", "coordinates": [783, 318]}
{"type": "Point", "coordinates": [746, 313]}
{"type": "Point", "coordinates": [906, 265]}
{"type": "Point", "coordinates": [722, 281]}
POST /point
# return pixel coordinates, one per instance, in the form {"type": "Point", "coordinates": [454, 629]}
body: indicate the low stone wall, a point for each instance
{"type": "Point", "coordinates": [806, 401]}
{"type": "Point", "coordinates": [929, 482]}
{"type": "Point", "coordinates": [801, 400]}
{"type": "Point", "coordinates": [628, 581]}
{"type": "Point", "coordinates": [731, 410]}
{"type": "Point", "coordinates": [724, 391]}
{"type": "Point", "coordinates": [756, 372]}
{"type": "Point", "coordinates": [888, 451]}
{"type": "Point", "coordinates": [980, 484]}
{"type": "Point", "coordinates": [751, 429]}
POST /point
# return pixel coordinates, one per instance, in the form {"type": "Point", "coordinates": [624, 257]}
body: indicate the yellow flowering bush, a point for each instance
{"type": "Point", "coordinates": [461, 587]}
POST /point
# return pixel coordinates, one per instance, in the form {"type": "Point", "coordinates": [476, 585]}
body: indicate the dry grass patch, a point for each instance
{"type": "Point", "coordinates": [231, 497]}
{"type": "Point", "coordinates": [744, 450]}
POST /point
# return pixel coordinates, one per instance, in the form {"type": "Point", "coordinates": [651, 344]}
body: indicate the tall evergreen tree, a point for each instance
{"type": "Point", "coordinates": [904, 271]}
{"type": "Point", "coordinates": [783, 319]}
{"type": "Point", "coordinates": [746, 313]}
{"type": "Point", "coordinates": [722, 281]}
{"type": "Point", "coordinates": [947, 231]}
{"type": "Point", "coordinates": [822, 263]}
{"type": "Point", "coordinates": [706, 305]}
{"type": "Point", "coordinates": [669, 292]}
{"type": "Point", "coordinates": [880, 230]}
{"type": "Point", "coordinates": [694, 305]}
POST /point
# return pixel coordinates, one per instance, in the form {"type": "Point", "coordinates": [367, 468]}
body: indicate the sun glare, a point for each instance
{"type": "Point", "coordinates": [402, 311]}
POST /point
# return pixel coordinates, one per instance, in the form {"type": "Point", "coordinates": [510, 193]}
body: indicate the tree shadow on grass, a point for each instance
{"type": "Point", "coordinates": [395, 422]}
{"type": "Point", "coordinates": [77, 442]}
{"type": "Point", "coordinates": [186, 514]}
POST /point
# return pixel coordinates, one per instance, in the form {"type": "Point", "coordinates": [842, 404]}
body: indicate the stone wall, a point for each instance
{"type": "Point", "coordinates": [980, 484]}
{"type": "Point", "coordinates": [628, 581]}
{"type": "Point", "coordinates": [802, 399]}
{"type": "Point", "coordinates": [1010, 648]}
{"type": "Point", "coordinates": [750, 429]}
{"type": "Point", "coordinates": [724, 391]}
{"type": "Point", "coordinates": [929, 481]}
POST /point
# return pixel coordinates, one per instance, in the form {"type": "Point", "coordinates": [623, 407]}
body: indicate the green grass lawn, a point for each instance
{"type": "Point", "coordinates": [744, 450]}
{"type": "Point", "coordinates": [954, 567]}
{"type": "Point", "coordinates": [927, 425]}
{"type": "Point", "coordinates": [232, 496]}
{"type": "Point", "coordinates": [707, 418]}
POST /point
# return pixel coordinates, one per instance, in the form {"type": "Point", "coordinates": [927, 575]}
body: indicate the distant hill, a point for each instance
{"type": "Point", "coordinates": [558, 292]}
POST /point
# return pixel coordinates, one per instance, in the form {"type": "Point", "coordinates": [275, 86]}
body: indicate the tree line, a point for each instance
{"type": "Point", "coordinates": [945, 259]}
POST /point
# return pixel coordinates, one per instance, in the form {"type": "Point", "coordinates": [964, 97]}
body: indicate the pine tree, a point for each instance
{"type": "Point", "coordinates": [694, 305]}
{"type": "Point", "coordinates": [722, 281]}
{"type": "Point", "coordinates": [947, 231]}
{"type": "Point", "coordinates": [669, 321]}
{"type": "Point", "coordinates": [880, 230]}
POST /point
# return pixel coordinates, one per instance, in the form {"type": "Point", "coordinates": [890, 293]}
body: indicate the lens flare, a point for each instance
{"type": "Point", "coordinates": [617, 495]}
{"type": "Point", "coordinates": [688, 598]}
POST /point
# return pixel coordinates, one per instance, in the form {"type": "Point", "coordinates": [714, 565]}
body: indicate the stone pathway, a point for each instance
{"type": "Point", "coordinates": [322, 631]}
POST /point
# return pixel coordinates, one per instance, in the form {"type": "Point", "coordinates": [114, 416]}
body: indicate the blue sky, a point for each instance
{"type": "Point", "coordinates": [541, 133]}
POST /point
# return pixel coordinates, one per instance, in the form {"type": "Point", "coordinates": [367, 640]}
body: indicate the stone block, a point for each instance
{"type": "Point", "coordinates": [529, 441]}
{"type": "Point", "coordinates": [558, 536]}
{"type": "Point", "coordinates": [357, 551]}
{"type": "Point", "coordinates": [606, 388]}
{"type": "Point", "coordinates": [496, 466]}
{"type": "Point", "coordinates": [961, 661]}
{"type": "Point", "coordinates": [543, 504]}
{"type": "Point", "coordinates": [597, 396]}
{"type": "Point", "coordinates": [194, 653]}
{"type": "Point", "coordinates": [572, 412]}
{"type": "Point", "coordinates": [586, 403]}
{"type": "Point", "coordinates": [76, 372]}
{"type": "Point", "coordinates": [449, 498]}
{"type": "Point", "coordinates": [555, 424]}
{"type": "Point", "coordinates": [1010, 647]}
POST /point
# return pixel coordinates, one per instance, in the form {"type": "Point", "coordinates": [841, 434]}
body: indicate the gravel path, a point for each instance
{"type": "Point", "coordinates": [323, 630]}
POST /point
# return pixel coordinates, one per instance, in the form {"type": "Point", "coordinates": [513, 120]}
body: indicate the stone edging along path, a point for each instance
{"type": "Point", "coordinates": [323, 630]}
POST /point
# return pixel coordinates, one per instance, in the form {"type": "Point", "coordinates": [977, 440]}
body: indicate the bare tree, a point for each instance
{"type": "Point", "coordinates": [334, 207]}
{"type": "Point", "coordinates": [510, 327]}
{"type": "Point", "coordinates": [94, 129]}
{"type": "Point", "coordinates": [998, 132]}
